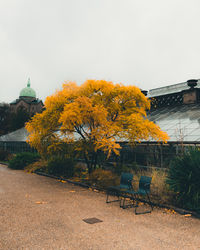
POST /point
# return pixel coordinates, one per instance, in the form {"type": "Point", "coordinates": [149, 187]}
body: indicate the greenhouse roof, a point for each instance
{"type": "Point", "coordinates": [18, 135]}
{"type": "Point", "coordinates": [182, 123]}
{"type": "Point", "coordinates": [175, 109]}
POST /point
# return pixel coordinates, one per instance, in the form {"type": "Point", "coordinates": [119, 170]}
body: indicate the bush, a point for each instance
{"type": "Point", "coordinates": [61, 166]}
{"type": "Point", "coordinates": [160, 190]}
{"type": "Point", "coordinates": [4, 155]}
{"type": "Point", "coordinates": [131, 167]}
{"type": "Point", "coordinates": [40, 165]}
{"type": "Point", "coordinates": [80, 169]}
{"type": "Point", "coordinates": [183, 178]}
{"type": "Point", "coordinates": [103, 178]}
{"type": "Point", "coordinates": [20, 161]}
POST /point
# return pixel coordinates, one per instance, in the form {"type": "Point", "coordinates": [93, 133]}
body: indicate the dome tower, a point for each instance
{"type": "Point", "coordinates": [27, 101]}
{"type": "Point", "coordinates": [27, 92]}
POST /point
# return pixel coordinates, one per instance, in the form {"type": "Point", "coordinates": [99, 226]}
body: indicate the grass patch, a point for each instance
{"type": "Point", "coordinates": [40, 165]}
{"type": "Point", "coordinates": [160, 190]}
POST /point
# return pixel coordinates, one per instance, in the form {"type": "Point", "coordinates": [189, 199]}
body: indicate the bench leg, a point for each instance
{"type": "Point", "coordinates": [145, 212]}
{"type": "Point", "coordinates": [109, 201]}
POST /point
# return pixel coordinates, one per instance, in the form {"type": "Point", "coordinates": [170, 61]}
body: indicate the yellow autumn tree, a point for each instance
{"type": "Point", "coordinates": [96, 116]}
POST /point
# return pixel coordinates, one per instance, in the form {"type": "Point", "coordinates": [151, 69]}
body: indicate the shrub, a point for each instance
{"type": "Point", "coordinates": [80, 169]}
{"type": "Point", "coordinates": [103, 178]}
{"type": "Point", "coordinates": [61, 166]}
{"type": "Point", "coordinates": [120, 168]}
{"type": "Point", "coordinates": [4, 155]}
{"type": "Point", "coordinates": [21, 160]}
{"type": "Point", "coordinates": [40, 165]}
{"type": "Point", "coordinates": [160, 190]}
{"type": "Point", "coordinates": [183, 178]}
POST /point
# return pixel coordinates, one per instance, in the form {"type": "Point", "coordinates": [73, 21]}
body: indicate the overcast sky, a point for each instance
{"type": "Point", "coordinates": [140, 42]}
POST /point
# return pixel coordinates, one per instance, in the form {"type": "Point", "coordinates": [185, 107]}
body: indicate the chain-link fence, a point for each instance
{"type": "Point", "coordinates": [16, 147]}
{"type": "Point", "coordinates": [151, 154]}
{"type": "Point", "coordinates": [143, 154]}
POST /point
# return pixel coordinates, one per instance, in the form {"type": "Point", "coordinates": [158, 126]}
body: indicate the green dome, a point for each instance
{"type": "Point", "coordinates": [28, 91]}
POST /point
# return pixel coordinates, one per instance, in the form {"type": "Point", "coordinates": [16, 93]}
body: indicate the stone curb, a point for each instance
{"type": "Point", "coordinates": [176, 209]}
{"type": "Point", "coordinates": [3, 163]}
{"type": "Point", "coordinates": [63, 179]}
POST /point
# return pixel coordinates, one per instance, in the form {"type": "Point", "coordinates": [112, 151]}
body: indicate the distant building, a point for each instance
{"type": "Point", "coordinates": [176, 109]}
{"type": "Point", "coordinates": [27, 101]}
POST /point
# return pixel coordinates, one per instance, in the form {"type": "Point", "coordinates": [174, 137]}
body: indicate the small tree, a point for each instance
{"type": "Point", "coordinates": [4, 118]}
{"type": "Point", "coordinates": [183, 178]}
{"type": "Point", "coordinates": [94, 116]}
{"type": "Point", "coordinates": [18, 119]}
{"type": "Point", "coordinates": [11, 121]}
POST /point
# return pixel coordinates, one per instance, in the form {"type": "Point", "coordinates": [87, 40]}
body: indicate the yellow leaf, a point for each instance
{"type": "Point", "coordinates": [187, 215]}
{"type": "Point", "coordinates": [72, 191]}
{"type": "Point", "coordinates": [41, 202]}
{"type": "Point", "coordinates": [63, 181]}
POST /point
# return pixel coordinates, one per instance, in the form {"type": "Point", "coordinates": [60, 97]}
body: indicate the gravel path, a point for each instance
{"type": "Point", "coordinates": [37, 212]}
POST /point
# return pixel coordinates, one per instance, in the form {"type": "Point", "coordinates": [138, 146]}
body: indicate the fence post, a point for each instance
{"type": "Point", "coordinates": [161, 156]}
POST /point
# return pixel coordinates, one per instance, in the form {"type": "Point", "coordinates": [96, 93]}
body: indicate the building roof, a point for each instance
{"type": "Point", "coordinates": [28, 91]}
{"type": "Point", "coordinates": [18, 135]}
{"type": "Point", "coordinates": [171, 89]}
{"type": "Point", "coordinates": [174, 114]}
{"type": "Point", "coordinates": [29, 101]}
{"type": "Point", "coordinates": [181, 123]}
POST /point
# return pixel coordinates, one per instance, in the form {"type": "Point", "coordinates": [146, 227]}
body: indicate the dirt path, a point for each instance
{"type": "Point", "coordinates": [37, 212]}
